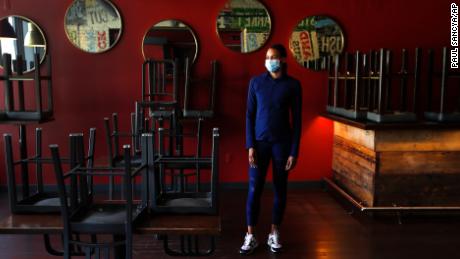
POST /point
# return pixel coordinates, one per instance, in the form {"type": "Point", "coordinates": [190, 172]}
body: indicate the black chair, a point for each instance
{"type": "Point", "coordinates": [203, 201]}
{"type": "Point", "coordinates": [443, 96]}
{"type": "Point", "coordinates": [43, 199]}
{"type": "Point", "coordinates": [179, 180]}
{"type": "Point", "coordinates": [187, 111]}
{"type": "Point", "coordinates": [159, 103]}
{"type": "Point", "coordinates": [21, 114]}
{"type": "Point", "coordinates": [160, 84]}
{"type": "Point", "coordinates": [82, 213]}
{"type": "Point", "coordinates": [114, 137]}
{"type": "Point", "coordinates": [404, 107]}
{"type": "Point", "coordinates": [345, 78]}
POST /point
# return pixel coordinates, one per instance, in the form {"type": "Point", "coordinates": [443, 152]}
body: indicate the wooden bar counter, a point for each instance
{"type": "Point", "coordinates": [395, 165]}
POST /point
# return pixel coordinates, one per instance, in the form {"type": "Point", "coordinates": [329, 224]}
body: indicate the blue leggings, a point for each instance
{"type": "Point", "coordinates": [265, 151]}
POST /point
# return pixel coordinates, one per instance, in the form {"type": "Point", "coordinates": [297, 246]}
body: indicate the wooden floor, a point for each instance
{"type": "Point", "coordinates": [316, 225]}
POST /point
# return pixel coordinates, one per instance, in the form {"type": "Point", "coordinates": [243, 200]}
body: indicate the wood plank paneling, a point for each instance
{"type": "Point", "coordinates": [354, 189]}
{"type": "Point", "coordinates": [417, 190]}
{"type": "Point", "coordinates": [417, 140]}
{"type": "Point", "coordinates": [354, 167]}
{"type": "Point", "coordinates": [353, 170]}
{"type": "Point", "coordinates": [362, 178]}
{"type": "Point", "coordinates": [359, 136]}
{"type": "Point", "coordinates": [402, 167]}
{"type": "Point", "coordinates": [414, 163]}
{"type": "Point", "coordinates": [359, 154]}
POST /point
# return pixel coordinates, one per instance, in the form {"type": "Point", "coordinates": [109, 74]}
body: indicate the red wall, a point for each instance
{"type": "Point", "coordinates": [88, 87]}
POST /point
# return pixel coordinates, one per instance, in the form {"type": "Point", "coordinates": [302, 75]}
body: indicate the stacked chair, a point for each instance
{"type": "Point", "coordinates": [443, 93]}
{"type": "Point", "coordinates": [42, 200]}
{"type": "Point", "coordinates": [83, 213]}
{"type": "Point", "coordinates": [148, 169]}
{"type": "Point", "coordinates": [35, 197]}
{"type": "Point", "coordinates": [188, 190]}
{"type": "Point", "coordinates": [20, 113]}
{"type": "Point", "coordinates": [365, 87]}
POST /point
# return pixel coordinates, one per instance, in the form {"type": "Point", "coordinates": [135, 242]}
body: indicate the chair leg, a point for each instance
{"type": "Point", "coordinates": [66, 248]}
{"type": "Point", "coordinates": [49, 248]}
{"type": "Point", "coordinates": [77, 248]}
{"type": "Point", "coordinates": [107, 253]}
{"type": "Point", "coordinates": [119, 250]}
{"type": "Point", "coordinates": [88, 252]}
{"type": "Point", "coordinates": [189, 248]}
{"type": "Point", "coordinates": [52, 251]}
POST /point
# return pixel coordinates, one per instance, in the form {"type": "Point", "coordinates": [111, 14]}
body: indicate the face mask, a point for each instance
{"type": "Point", "coordinates": [272, 65]}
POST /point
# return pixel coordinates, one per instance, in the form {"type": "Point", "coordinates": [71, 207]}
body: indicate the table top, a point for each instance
{"type": "Point", "coordinates": [368, 125]}
{"type": "Point", "coordinates": [180, 224]}
{"type": "Point", "coordinates": [155, 224]}
{"type": "Point", "coordinates": [31, 224]}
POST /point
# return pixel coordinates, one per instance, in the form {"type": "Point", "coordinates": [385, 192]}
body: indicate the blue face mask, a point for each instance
{"type": "Point", "coordinates": [272, 65]}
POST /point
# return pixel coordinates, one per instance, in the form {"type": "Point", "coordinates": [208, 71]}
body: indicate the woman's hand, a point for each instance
{"type": "Point", "coordinates": [252, 158]}
{"type": "Point", "coordinates": [290, 163]}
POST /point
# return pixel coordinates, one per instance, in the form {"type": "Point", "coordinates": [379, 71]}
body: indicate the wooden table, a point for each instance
{"type": "Point", "coordinates": [31, 224]}
{"type": "Point", "coordinates": [180, 225]}
{"type": "Point", "coordinates": [188, 226]}
{"type": "Point", "coordinates": [398, 165]}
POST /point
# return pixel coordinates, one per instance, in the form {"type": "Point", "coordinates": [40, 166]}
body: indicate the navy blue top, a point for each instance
{"type": "Point", "coordinates": [267, 116]}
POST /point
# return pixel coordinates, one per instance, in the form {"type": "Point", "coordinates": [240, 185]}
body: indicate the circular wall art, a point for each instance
{"type": "Point", "coordinates": [243, 25]}
{"type": "Point", "coordinates": [93, 26]}
{"type": "Point", "coordinates": [314, 39]}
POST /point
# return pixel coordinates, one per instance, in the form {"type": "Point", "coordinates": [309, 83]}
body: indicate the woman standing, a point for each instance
{"type": "Point", "coordinates": [272, 97]}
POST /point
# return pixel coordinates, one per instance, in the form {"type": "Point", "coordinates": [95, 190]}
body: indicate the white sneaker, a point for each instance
{"type": "Point", "coordinates": [250, 243]}
{"type": "Point", "coordinates": [274, 242]}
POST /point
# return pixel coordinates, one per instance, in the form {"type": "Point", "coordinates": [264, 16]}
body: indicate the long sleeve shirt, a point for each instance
{"type": "Point", "coordinates": [270, 101]}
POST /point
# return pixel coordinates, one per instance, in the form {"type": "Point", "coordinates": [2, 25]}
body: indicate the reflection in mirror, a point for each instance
{"type": "Point", "coordinates": [170, 39]}
{"type": "Point", "coordinates": [93, 25]}
{"type": "Point", "coordinates": [314, 39]}
{"type": "Point", "coordinates": [244, 25]}
{"type": "Point", "coordinates": [19, 36]}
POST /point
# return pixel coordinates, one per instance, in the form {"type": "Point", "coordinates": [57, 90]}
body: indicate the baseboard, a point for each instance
{"type": "Point", "coordinates": [268, 185]}
{"type": "Point", "coordinates": [314, 184]}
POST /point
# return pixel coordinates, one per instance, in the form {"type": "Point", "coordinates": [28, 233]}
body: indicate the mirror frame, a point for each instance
{"type": "Point", "coordinates": [261, 46]}
{"type": "Point", "coordinates": [45, 49]}
{"type": "Point", "coordinates": [195, 38]}
{"type": "Point", "coordinates": [110, 47]}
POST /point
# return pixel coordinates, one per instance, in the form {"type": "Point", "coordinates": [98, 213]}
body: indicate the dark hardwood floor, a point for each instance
{"type": "Point", "coordinates": [316, 225]}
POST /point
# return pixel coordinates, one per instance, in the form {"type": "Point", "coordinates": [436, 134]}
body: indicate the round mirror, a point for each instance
{"type": "Point", "coordinates": [170, 39]}
{"type": "Point", "coordinates": [314, 39]}
{"type": "Point", "coordinates": [21, 37]}
{"type": "Point", "coordinates": [244, 25]}
{"type": "Point", "coordinates": [93, 25]}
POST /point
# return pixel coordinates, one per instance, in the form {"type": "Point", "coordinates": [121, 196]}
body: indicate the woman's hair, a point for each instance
{"type": "Point", "coordinates": [280, 48]}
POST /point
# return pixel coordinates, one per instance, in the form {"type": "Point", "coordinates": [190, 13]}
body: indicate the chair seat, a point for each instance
{"type": "Point", "coordinates": [55, 202]}
{"type": "Point", "coordinates": [101, 218]}
{"type": "Point", "coordinates": [43, 198]}
{"type": "Point", "coordinates": [187, 202]}
{"type": "Point", "coordinates": [46, 202]}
